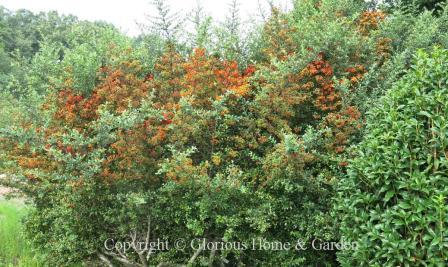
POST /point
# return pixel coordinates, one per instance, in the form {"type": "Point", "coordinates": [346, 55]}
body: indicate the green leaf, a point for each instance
{"type": "Point", "coordinates": [425, 113]}
{"type": "Point", "coordinates": [404, 205]}
{"type": "Point", "coordinates": [389, 195]}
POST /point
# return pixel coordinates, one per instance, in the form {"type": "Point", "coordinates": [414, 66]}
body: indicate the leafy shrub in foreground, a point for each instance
{"type": "Point", "coordinates": [394, 200]}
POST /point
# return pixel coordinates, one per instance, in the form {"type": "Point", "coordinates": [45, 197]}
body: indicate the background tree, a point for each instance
{"type": "Point", "coordinates": [202, 24]}
{"type": "Point", "coordinates": [167, 23]}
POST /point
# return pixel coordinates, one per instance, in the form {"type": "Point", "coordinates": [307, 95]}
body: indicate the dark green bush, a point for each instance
{"type": "Point", "coordinates": [394, 200]}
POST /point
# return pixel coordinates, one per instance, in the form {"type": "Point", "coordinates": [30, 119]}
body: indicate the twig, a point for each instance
{"type": "Point", "coordinates": [196, 254]}
{"type": "Point", "coordinates": [122, 260]}
{"type": "Point", "coordinates": [212, 257]}
{"type": "Point", "coordinates": [104, 259]}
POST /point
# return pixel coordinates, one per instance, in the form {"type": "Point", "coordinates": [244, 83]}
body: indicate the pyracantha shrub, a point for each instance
{"type": "Point", "coordinates": [166, 79]}
{"type": "Point", "coordinates": [207, 78]}
{"type": "Point", "coordinates": [369, 20]}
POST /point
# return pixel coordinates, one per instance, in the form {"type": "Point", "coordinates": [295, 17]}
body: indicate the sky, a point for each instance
{"type": "Point", "coordinates": [126, 14]}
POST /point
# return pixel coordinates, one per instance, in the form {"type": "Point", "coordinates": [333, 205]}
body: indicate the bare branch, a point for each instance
{"type": "Point", "coordinates": [148, 230]}
{"type": "Point", "coordinates": [140, 252]}
{"type": "Point", "coordinates": [212, 257]}
{"type": "Point", "coordinates": [104, 259]}
{"type": "Point", "coordinates": [121, 259]}
{"type": "Point", "coordinates": [136, 242]}
{"type": "Point", "coordinates": [148, 234]}
{"type": "Point", "coordinates": [196, 254]}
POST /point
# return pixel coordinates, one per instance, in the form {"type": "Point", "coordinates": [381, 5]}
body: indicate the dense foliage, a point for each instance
{"type": "Point", "coordinates": [397, 185]}
{"type": "Point", "coordinates": [228, 136]}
